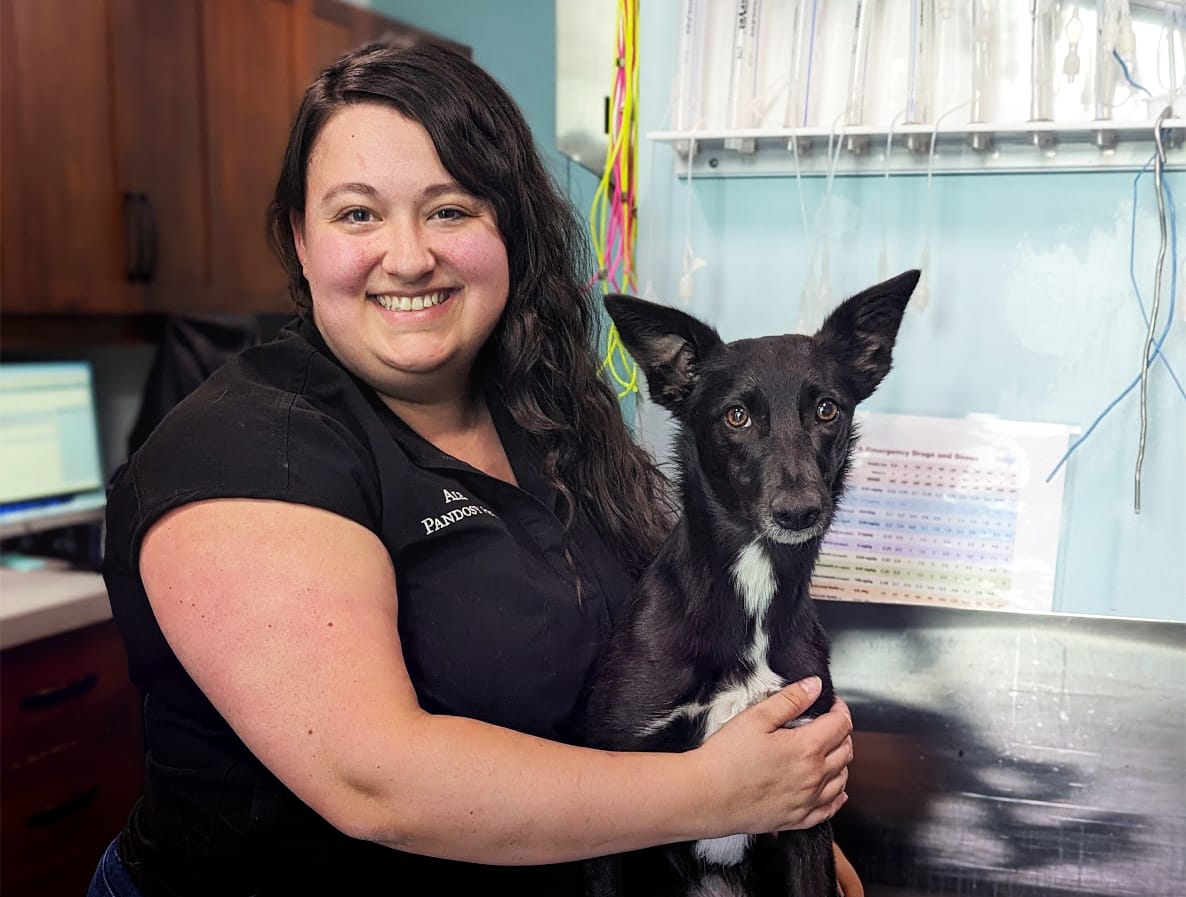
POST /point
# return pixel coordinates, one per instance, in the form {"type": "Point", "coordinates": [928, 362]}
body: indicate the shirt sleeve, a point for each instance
{"type": "Point", "coordinates": [244, 440]}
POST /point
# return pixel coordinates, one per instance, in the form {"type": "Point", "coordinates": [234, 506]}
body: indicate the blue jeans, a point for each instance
{"type": "Point", "coordinates": [111, 878]}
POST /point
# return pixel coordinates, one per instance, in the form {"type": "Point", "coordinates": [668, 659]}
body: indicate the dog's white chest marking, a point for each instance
{"type": "Point", "coordinates": [753, 576]}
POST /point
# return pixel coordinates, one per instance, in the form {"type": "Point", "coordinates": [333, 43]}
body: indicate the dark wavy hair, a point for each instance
{"type": "Point", "coordinates": [541, 351]}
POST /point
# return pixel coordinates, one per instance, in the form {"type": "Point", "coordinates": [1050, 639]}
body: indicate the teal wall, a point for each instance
{"type": "Point", "coordinates": [1030, 312]}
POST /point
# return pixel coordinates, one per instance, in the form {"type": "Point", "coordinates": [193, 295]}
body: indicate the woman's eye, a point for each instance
{"type": "Point", "coordinates": [827, 411]}
{"type": "Point", "coordinates": [357, 216]}
{"type": "Point", "coordinates": [449, 214]}
{"type": "Point", "coordinates": [737, 417]}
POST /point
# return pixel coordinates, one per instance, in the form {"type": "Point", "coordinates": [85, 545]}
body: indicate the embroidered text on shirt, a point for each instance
{"type": "Point", "coordinates": [433, 524]}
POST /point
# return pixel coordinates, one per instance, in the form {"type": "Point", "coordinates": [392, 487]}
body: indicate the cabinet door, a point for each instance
{"type": "Point", "coordinates": [12, 210]}
{"type": "Point", "coordinates": [62, 218]}
{"type": "Point", "coordinates": [250, 104]}
{"type": "Point", "coordinates": [157, 77]}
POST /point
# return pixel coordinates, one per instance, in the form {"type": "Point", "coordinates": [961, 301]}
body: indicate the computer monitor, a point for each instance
{"type": "Point", "coordinates": [51, 471]}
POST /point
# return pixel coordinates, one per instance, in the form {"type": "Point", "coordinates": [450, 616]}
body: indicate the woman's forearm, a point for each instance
{"type": "Point", "coordinates": [469, 791]}
{"type": "Point", "coordinates": [465, 790]}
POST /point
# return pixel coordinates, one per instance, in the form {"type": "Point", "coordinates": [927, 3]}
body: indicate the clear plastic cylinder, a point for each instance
{"type": "Point", "coordinates": [984, 45]}
{"type": "Point", "coordinates": [922, 53]}
{"type": "Point", "coordinates": [689, 68]}
{"type": "Point", "coordinates": [1043, 24]}
{"type": "Point", "coordinates": [1105, 63]}
{"type": "Point", "coordinates": [743, 71]}
{"type": "Point", "coordinates": [854, 113]}
{"type": "Point", "coordinates": [800, 65]}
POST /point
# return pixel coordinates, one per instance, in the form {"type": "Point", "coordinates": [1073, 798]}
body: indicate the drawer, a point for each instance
{"type": "Point", "coordinates": [58, 688]}
{"type": "Point", "coordinates": [31, 773]}
{"type": "Point", "coordinates": [63, 807]}
{"type": "Point", "coordinates": [71, 758]}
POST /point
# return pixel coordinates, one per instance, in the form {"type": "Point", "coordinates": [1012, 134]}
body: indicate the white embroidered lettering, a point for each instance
{"type": "Point", "coordinates": [453, 496]}
{"type": "Point", "coordinates": [434, 524]}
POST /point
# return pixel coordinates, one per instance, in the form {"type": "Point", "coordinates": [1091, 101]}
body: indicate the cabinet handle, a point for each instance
{"type": "Point", "coordinates": [50, 815]}
{"type": "Point", "coordinates": [140, 228]}
{"type": "Point", "coordinates": [148, 269]}
{"type": "Point", "coordinates": [132, 247]}
{"type": "Point", "coordinates": [51, 697]}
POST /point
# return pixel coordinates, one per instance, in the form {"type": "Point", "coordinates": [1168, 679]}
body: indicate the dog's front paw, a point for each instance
{"type": "Point", "coordinates": [799, 721]}
{"type": "Point", "coordinates": [727, 851]}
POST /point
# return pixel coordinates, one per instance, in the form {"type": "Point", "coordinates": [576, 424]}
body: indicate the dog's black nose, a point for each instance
{"type": "Point", "coordinates": [796, 517]}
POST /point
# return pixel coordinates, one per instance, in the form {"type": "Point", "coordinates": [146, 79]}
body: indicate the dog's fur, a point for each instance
{"type": "Point", "coordinates": [722, 617]}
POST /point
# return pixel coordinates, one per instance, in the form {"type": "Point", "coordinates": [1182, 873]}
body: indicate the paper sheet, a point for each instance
{"type": "Point", "coordinates": [948, 511]}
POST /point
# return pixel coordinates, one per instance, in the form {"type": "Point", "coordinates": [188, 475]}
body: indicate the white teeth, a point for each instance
{"type": "Point", "coordinates": [411, 303]}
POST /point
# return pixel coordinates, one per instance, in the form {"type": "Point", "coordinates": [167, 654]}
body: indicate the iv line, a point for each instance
{"type": "Point", "coordinates": [1158, 163]}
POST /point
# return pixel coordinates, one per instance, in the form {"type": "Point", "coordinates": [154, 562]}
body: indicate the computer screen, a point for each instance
{"type": "Point", "coordinates": [51, 470]}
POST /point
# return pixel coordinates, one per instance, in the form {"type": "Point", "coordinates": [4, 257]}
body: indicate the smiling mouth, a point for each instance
{"type": "Point", "coordinates": [412, 303]}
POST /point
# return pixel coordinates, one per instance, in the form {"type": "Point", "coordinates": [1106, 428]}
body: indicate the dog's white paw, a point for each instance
{"type": "Point", "coordinates": [798, 721]}
{"type": "Point", "coordinates": [727, 851]}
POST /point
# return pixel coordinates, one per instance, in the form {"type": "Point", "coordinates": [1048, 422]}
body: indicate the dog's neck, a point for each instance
{"type": "Point", "coordinates": [754, 578]}
{"type": "Point", "coordinates": [723, 555]}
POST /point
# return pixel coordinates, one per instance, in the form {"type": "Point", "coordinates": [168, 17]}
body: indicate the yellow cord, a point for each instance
{"type": "Point", "coordinates": [613, 200]}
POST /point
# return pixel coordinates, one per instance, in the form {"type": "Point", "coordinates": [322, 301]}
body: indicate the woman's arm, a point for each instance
{"type": "Point", "coordinates": [846, 876]}
{"type": "Point", "coordinates": [285, 616]}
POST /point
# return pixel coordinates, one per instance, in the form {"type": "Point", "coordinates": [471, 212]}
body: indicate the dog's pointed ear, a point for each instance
{"type": "Point", "coordinates": [669, 345]}
{"type": "Point", "coordinates": [862, 331]}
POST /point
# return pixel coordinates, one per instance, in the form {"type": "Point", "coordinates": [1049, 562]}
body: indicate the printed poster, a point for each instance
{"type": "Point", "coordinates": [948, 511]}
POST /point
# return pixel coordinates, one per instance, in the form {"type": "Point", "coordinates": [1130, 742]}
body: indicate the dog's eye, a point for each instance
{"type": "Point", "coordinates": [737, 417]}
{"type": "Point", "coordinates": [827, 411]}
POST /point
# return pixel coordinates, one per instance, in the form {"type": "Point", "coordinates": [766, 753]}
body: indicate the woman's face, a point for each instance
{"type": "Point", "coordinates": [408, 272]}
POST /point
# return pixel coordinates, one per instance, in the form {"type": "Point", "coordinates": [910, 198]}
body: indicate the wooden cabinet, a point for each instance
{"type": "Point", "coordinates": [252, 98]}
{"type": "Point", "coordinates": [111, 157]}
{"type": "Point", "coordinates": [63, 226]}
{"type": "Point", "coordinates": [141, 142]}
{"type": "Point", "coordinates": [71, 758]}
{"type": "Point", "coordinates": [161, 174]}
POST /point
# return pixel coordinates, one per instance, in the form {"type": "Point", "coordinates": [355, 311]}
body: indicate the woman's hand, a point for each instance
{"type": "Point", "coordinates": [846, 875]}
{"type": "Point", "coordinates": [766, 777]}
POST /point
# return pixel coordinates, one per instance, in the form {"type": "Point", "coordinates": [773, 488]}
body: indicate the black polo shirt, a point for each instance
{"type": "Point", "coordinates": [489, 616]}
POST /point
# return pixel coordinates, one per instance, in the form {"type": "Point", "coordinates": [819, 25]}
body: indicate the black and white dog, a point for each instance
{"type": "Point", "coordinates": [722, 618]}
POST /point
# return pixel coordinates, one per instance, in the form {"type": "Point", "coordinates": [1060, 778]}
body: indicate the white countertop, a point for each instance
{"type": "Point", "coordinates": [35, 604]}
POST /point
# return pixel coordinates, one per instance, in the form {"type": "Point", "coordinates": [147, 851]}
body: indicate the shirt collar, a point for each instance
{"type": "Point", "coordinates": [525, 459]}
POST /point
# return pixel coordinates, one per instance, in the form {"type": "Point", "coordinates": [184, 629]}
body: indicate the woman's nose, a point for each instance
{"type": "Point", "coordinates": [408, 255]}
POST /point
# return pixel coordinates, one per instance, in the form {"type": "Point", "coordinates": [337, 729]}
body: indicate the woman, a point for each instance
{"type": "Point", "coordinates": [364, 571]}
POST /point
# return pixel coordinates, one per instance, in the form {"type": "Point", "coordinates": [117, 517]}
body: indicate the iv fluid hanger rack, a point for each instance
{"type": "Point", "coordinates": [881, 86]}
